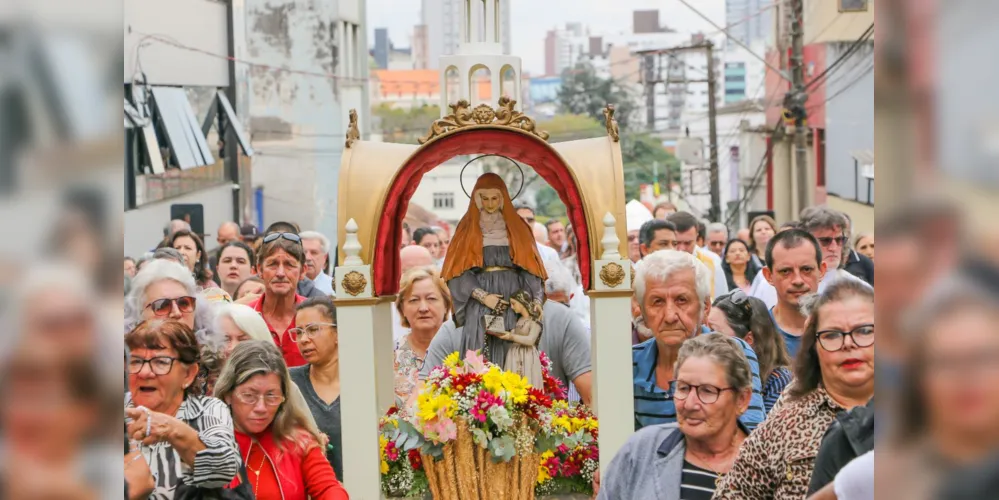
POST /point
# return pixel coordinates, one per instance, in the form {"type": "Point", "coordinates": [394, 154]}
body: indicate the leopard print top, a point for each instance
{"type": "Point", "coordinates": [776, 461]}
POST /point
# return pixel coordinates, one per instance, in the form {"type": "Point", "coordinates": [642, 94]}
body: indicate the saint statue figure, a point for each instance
{"type": "Point", "coordinates": [493, 258]}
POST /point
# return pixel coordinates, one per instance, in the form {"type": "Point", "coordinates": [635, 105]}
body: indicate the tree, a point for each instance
{"type": "Point", "coordinates": [572, 127]}
{"type": "Point", "coordinates": [640, 152]}
{"type": "Point", "coordinates": [405, 126]}
{"type": "Point", "coordinates": [585, 93]}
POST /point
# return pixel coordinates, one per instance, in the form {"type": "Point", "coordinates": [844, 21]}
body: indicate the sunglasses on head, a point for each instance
{"type": "Point", "coordinates": [288, 236]}
{"type": "Point", "coordinates": [163, 307]}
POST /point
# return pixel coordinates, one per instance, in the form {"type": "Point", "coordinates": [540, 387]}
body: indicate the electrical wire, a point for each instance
{"type": "Point", "coordinates": [864, 38]}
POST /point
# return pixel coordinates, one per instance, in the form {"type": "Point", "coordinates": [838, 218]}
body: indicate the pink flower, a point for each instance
{"type": "Point", "coordinates": [483, 402]}
{"type": "Point", "coordinates": [474, 363]}
{"type": "Point", "coordinates": [445, 429]}
{"type": "Point", "coordinates": [391, 451]}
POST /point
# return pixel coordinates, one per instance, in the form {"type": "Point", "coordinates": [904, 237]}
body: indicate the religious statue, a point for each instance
{"type": "Point", "coordinates": [492, 261]}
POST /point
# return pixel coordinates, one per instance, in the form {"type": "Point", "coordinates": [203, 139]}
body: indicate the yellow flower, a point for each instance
{"type": "Point", "coordinates": [564, 423]}
{"type": "Point", "coordinates": [543, 474]}
{"type": "Point", "coordinates": [514, 385]}
{"type": "Point", "coordinates": [452, 360]}
{"type": "Point", "coordinates": [382, 443]}
{"type": "Point", "coordinates": [493, 380]}
{"type": "Point", "coordinates": [384, 467]}
{"type": "Point", "coordinates": [429, 405]}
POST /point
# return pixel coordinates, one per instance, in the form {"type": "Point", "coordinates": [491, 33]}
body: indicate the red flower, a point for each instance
{"type": "Point", "coordinates": [415, 459]}
{"type": "Point", "coordinates": [392, 411]}
{"type": "Point", "coordinates": [461, 381]}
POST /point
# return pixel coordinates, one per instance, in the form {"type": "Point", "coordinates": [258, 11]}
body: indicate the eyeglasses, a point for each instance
{"type": "Point", "coordinates": [163, 307]}
{"type": "Point", "coordinates": [834, 340]}
{"type": "Point", "coordinates": [288, 236]}
{"type": "Point", "coordinates": [708, 394]}
{"type": "Point", "coordinates": [160, 365]}
{"type": "Point", "coordinates": [308, 331]}
{"type": "Point", "coordinates": [829, 241]}
{"type": "Point", "coordinates": [251, 399]}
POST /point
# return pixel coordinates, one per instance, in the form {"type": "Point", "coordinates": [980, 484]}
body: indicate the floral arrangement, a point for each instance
{"type": "Point", "coordinates": [402, 471]}
{"type": "Point", "coordinates": [570, 467]}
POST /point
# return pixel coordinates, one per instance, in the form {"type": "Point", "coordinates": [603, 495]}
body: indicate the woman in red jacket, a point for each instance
{"type": "Point", "coordinates": [281, 448]}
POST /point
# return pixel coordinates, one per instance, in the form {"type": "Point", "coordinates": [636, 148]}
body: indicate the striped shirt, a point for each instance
{"type": "Point", "coordinates": [776, 382]}
{"type": "Point", "coordinates": [696, 483]}
{"type": "Point", "coordinates": [214, 467]}
{"type": "Point", "coordinates": [655, 406]}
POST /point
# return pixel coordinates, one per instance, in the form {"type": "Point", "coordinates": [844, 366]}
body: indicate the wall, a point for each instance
{"type": "Point", "coordinates": [298, 120]}
{"type": "Point", "coordinates": [825, 23]}
{"type": "Point", "coordinates": [862, 215]}
{"type": "Point", "coordinates": [849, 120]}
{"type": "Point", "coordinates": [144, 225]}
{"type": "Point", "coordinates": [196, 23]}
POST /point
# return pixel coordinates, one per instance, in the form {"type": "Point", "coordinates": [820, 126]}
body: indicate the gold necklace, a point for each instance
{"type": "Point", "coordinates": [718, 475]}
{"type": "Point", "coordinates": [260, 467]}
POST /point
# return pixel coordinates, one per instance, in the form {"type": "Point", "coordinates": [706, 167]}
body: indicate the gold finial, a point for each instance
{"type": "Point", "coordinates": [611, 123]}
{"type": "Point", "coordinates": [353, 134]}
{"type": "Point", "coordinates": [463, 115]}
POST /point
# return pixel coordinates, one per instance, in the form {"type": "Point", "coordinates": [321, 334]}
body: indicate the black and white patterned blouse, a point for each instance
{"type": "Point", "coordinates": [214, 467]}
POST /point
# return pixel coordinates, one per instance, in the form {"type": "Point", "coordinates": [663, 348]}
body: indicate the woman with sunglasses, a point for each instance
{"type": "Point", "coordinates": [738, 315]}
{"type": "Point", "coordinates": [164, 289]}
{"type": "Point", "coordinates": [319, 379]}
{"type": "Point", "coordinates": [686, 458]}
{"type": "Point", "coordinates": [834, 372]}
{"type": "Point", "coordinates": [278, 442]}
{"type": "Point", "coordinates": [186, 439]}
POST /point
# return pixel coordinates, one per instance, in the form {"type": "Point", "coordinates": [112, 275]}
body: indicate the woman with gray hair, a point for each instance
{"type": "Point", "coordinates": [686, 458]}
{"type": "Point", "coordinates": [278, 443]}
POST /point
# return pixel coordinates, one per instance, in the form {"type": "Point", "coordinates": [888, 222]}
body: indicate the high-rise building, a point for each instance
{"type": "Point", "coordinates": [443, 21]}
{"type": "Point", "coordinates": [382, 47]}
{"type": "Point", "coordinates": [751, 22]}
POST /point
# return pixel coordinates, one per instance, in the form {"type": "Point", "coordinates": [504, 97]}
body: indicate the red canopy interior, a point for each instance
{"type": "Point", "coordinates": [523, 148]}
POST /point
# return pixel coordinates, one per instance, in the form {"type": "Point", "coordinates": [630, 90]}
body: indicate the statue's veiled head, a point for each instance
{"type": "Point", "coordinates": [490, 200]}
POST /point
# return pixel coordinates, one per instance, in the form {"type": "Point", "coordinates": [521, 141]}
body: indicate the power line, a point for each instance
{"type": "Point", "coordinates": [843, 57]}
{"type": "Point", "coordinates": [848, 86]}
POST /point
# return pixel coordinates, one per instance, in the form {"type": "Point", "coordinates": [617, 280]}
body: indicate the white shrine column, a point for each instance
{"type": "Point", "coordinates": [366, 389]}
{"type": "Point", "coordinates": [610, 311]}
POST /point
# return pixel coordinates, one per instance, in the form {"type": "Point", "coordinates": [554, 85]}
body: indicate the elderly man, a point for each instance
{"type": "Point", "coordinates": [827, 226]}
{"type": "Point", "coordinates": [686, 241]}
{"type": "Point", "coordinates": [717, 238]}
{"type": "Point", "coordinates": [673, 289]}
{"type": "Point", "coordinates": [317, 254]}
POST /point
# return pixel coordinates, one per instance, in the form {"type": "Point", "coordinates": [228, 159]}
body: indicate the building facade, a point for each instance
{"type": "Point", "coordinates": [443, 21]}
{"type": "Point", "coordinates": [750, 21]}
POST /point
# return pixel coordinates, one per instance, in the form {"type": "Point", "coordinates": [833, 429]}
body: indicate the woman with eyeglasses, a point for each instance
{"type": "Point", "coordinates": [319, 379]}
{"type": "Point", "coordinates": [738, 315]}
{"type": "Point", "coordinates": [685, 459]}
{"type": "Point", "coordinates": [423, 304]}
{"type": "Point", "coordinates": [186, 439]}
{"type": "Point", "coordinates": [279, 445]}
{"type": "Point", "coordinates": [834, 372]}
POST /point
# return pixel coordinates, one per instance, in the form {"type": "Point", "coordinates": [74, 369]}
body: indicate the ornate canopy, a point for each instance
{"type": "Point", "coordinates": [378, 179]}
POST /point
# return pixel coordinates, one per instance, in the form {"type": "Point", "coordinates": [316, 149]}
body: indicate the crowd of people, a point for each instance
{"type": "Point", "coordinates": [745, 351]}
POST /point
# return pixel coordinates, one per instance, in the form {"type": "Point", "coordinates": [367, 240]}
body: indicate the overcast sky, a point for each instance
{"type": "Point", "coordinates": [533, 18]}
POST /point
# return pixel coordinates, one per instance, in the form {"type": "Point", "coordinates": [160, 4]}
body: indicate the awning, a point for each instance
{"type": "Point", "coordinates": [229, 120]}
{"type": "Point", "coordinates": [187, 142]}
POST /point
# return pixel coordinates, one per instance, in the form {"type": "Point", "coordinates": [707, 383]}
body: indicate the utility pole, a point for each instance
{"type": "Point", "coordinates": [715, 214]}
{"type": "Point", "coordinates": [795, 102]}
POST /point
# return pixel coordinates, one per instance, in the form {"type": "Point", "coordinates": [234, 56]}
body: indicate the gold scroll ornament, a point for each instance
{"type": "Point", "coordinates": [354, 283]}
{"type": "Point", "coordinates": [612, 274]}
{"type": "Point", "coordinates": [463, 115]}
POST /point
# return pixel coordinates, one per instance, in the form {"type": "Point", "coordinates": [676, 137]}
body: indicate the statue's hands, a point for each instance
{"type": "Point", "coordinates": [502, 335]}
{"type": "Point", "coordinates": [492, 301]}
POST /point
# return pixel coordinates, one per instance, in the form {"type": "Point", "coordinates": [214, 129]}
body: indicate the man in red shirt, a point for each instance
{"type": "Point", "coordinates": [281, 263]}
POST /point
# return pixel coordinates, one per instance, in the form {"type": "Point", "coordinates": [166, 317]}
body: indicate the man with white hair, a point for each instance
{"type": "Point", "coordinates": [673, 289]}
{"type": "Point", "coordinates": [317, 253]}
{"type": "Point", "coordinates": [716, 238]}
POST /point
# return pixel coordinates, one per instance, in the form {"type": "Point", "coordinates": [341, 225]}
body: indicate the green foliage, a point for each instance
{"type": "Point", "coordinates": [548, 203]}
{"type": "Point", "coordinates": [640, 152]}
{"type": "Point", "coordinates": [585, 93]}
{"type": "Point", "coordinates": [405, 126]}
{"type": "Point", "coordinates": [568, 127]}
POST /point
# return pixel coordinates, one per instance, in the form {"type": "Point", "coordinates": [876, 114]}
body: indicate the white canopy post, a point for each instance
{"type": "Point", "coordinates": [610, 306]}
{"type": "Point", "coordinates": [365, 338]}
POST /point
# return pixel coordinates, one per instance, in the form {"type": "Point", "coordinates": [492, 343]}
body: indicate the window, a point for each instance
{"type": "Point", "coordinates": [443, 201]}
{"type": "Point", "coordinates": [853, 5]}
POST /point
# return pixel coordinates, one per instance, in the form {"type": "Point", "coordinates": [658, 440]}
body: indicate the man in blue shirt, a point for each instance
{"type": "Point", "coordinates": [674, 293]}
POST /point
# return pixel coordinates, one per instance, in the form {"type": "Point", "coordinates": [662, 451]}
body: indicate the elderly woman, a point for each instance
{"type": "Point", "coordinates": [423, 304]}
{"type": "Point", "coordinates": [319, 379]}
{"type": "Point", "coordinates": [747, 318]}
{"type": "Point", "coordinates": [239, 323]}
{"type": "Point", "coordinates": [186, 440]}
{"type": "Point", "coordinates": [193, 250]}
{"type": "Point", "coordinates": [834, 372]}
{"type": "Point", "coordinates": [278, 442]}
{"type": "Point", "coordinates": [673, 289]}
{"type": "Point", "coordinates": [684, 460]}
